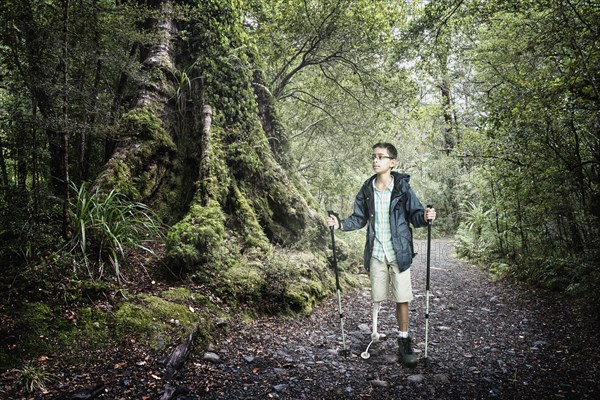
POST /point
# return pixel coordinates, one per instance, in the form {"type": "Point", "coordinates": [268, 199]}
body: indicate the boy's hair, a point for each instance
{"type": "Point", "coordinates": [389, 147]}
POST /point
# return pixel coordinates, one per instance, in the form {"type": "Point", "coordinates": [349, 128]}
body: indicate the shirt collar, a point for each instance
{"type": "Point", "coordinates": [389, 187]}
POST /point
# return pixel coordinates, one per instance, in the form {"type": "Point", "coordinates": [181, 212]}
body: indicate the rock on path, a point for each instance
{"type": "Point", "coordinates": [486, 340]}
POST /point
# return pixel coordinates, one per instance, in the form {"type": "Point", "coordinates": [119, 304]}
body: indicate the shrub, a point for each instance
{"type": "Point", "coordinates": [105, 224]}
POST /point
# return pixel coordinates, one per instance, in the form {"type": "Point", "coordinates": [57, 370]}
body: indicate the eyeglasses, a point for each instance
{"type": "Point", "coordinates": [379, 157]}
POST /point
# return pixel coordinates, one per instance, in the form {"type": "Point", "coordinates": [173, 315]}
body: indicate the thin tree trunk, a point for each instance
{"type": "Point", "coordinates": [3, 166]}
{"type": "Point", "coordinates": [498, 231]}
{"type": "Point", "coordinates": [448, 119]}
{"type": "Point", "coordinates": [21, 151]}
{"type": "Point", "coordinates": [523, 235]}
{"type": "Point", "coordinates": [110, 142]}
{"type": "Point", "coordinates": [85, 145]}
{"type": "Point", "coordinates": [205, 148]}
{"type": "Point", "coordinates": [65, 135]}
{"type": "Point", "coordinates": [35, 168]}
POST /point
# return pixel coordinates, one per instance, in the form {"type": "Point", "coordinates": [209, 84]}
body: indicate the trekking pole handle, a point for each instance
{"type": "Point", "coordinates": [331, 213]}
{"type": "Point", "coordinates": [335, 266]}
{"type": "Point", "coordinates": [428, 259]}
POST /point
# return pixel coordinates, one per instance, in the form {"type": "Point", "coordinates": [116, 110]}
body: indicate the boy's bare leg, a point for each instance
{"type": "Point", "coordinates": [404, 342]}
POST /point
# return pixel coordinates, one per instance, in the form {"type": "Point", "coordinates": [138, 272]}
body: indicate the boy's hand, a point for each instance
{"type": "Point", "coordinates": [430, 214]}
{"type": "Point", "coordinates": [332, 221]}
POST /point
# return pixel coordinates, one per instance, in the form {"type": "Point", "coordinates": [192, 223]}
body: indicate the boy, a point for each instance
{"type": "Point", "coordinates": [387, 204]}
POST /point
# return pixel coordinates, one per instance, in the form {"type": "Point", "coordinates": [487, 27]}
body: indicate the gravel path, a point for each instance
{"type": "Point", "coordinates": [486, 340]}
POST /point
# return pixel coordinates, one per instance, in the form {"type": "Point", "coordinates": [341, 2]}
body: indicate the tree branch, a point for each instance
{"type": "Point", "coordinates": [307, 128]}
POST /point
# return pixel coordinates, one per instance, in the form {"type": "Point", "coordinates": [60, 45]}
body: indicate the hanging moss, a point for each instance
{"type": "Point", "coordinates": [144, 123]}
{"type": "Point", "coordinates": [252, 231]}
{"type": "Point", "coordinates": [197, 238]}
{"type": "Point", "coordinates": [216, 185]}
{"type": "Point", "coordinates": [133, 170]}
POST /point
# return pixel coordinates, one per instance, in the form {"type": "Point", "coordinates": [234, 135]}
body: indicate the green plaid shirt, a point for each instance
{"type": "Point", "coordinates": [382, 248]}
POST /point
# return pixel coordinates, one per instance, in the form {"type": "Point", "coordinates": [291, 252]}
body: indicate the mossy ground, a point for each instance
{"type": "Point", "coordinates": [88, 317]}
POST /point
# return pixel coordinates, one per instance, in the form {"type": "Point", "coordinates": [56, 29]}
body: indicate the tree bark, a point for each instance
{"type": "Point", "coordinates": [65, 127]}
{"type": "Point", "coordinates": [448, 117]}
{"type": "Point", "coordinates": [3, 166]}
{"type": "Point", "coordinates": [145, 146]}
{"type": "Point", "coordinates": [223, 187]}
{"type": "Point", "coordinates": [205, 148]}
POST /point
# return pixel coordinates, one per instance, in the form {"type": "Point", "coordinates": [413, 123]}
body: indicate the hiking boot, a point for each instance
{"type": "Point", "coordinates": [405, 353]}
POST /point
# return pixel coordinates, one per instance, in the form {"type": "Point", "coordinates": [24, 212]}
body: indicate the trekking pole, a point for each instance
{"type": "Point", "coordinates": [427, 285]}
{"type": "Point", "coordinates": [345, 352]}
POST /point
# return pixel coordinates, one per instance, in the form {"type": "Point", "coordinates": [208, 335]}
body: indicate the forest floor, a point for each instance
{"type": "Point", "coordinates": [487, 339]}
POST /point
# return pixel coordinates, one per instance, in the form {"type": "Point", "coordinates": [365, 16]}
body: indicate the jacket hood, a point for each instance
{"type": "Point", "coordinates": [401, 181]}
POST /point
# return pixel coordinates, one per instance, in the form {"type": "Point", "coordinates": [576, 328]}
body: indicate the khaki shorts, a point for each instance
{"type": "Point", "coordinates": [386, 276]}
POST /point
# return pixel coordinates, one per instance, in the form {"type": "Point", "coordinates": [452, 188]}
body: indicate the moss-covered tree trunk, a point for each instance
{"type": "Point", "coordinates": [237, 219]}
{"type": "Point", "coordinates": [146, 149]}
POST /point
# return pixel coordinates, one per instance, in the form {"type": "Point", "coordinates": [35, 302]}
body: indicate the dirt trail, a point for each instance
{"type": "Point", "coordinates": [486, 340]}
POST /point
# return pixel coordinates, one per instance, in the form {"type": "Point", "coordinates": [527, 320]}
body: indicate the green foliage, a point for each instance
{"type": "Point", "coordinates": [104, 225]}
{"type": "Point", "coordinates": [323, 41]}
{"type": "Point", "coordinates": [33, 376]}
{"type": "Point", "coordinates": [28, 231]}
{"type": "Point", "coordinates": [534, 142]}
{"type": "Point", "coordinates": [474, 236]}
{"type": "Point", "coordinates": [336, 110]}
{"type": "Point", "coordinates": [493, 106]}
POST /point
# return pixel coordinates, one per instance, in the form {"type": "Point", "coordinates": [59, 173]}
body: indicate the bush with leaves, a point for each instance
{"type": "Point", "coordinates": [104, 225]}
{"type": "Point", "coordinates": [33, 377]}
{"type": "Point", "coordinates": [474, 237]}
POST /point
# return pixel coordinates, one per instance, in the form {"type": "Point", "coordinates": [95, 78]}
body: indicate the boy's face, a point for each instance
{"type": "Point", "coordinates": [381, 160]}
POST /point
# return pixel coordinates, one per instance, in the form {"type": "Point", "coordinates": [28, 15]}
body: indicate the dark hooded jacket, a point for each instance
{"type": "Point", "coordinates": [405, 208]}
